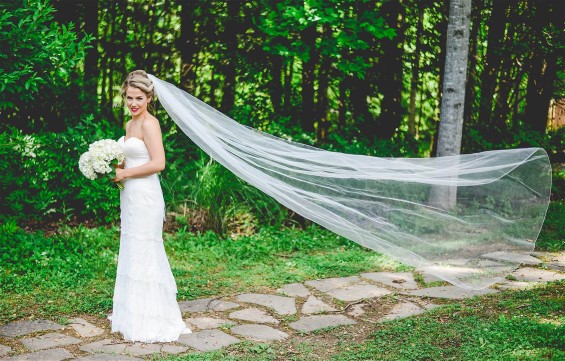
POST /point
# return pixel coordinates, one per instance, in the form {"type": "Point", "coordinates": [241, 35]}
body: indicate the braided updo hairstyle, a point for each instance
{"type": "Point", "coordinates": [139, 79]}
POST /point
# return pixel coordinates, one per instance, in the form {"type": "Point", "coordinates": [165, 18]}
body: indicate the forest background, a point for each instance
{"type": "Point", "coordinates": [353, 76]}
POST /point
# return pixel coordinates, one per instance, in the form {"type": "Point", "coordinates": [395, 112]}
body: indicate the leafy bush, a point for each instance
{"type": "Point", "coordinates": [38, 60]}
{"type": "Point", "coordinates": [40, 179]}
{"type": "Point", "coordinates": [230, 200]}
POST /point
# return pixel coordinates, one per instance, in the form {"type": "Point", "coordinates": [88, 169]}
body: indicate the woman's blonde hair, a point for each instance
{"type": "Point", "coordinates": [139, 79]}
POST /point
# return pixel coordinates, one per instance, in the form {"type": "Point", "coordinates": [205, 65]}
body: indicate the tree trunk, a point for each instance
{"type": "Point", "coordinates": [391, 75]}
{"type": "Point", "coordinates": [309, 35]}
{"type": "Point", "coordinates": [231, 29]}
{"type": "Point", "coordinates": [544, 68]}
{"type": "Point", "coordinates": [277, 68]}
{"type": "Point", "coordinates": [67, 11]}
{"type": "Point", "coordinates": [359, 88]}
{"type": "Point", "coordinates": [323, 85]}
{"type": "Point", "coordinates": [414, 81]}
{"type": "Point", "coordinates": [442, 56]}
{"type": "Point", "coordinates": [496, 27]}
{"type": "Point", "coordinates": [453, 96]}
{"type": "Point", "coordinates": [289, 74]}
{"type": "Point", "coordinates": [342, 108]}
{"type": "Point", "coordinates": [470, 94]}
{"type": "Point", "coordinates": [187, 45]}
{"type": "Point", "coordinates": [91, 70]}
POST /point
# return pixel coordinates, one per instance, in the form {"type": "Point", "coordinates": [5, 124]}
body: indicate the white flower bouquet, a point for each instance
{"type": "Point", "coordinates": [101, 159]}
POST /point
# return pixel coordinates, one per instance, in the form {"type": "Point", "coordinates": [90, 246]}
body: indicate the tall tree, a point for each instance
{"type": "Point", "coordinates": [231, 30]}
{"type": "Point", "coordinates": [495, 27]}
{"type": "Point", "coordinates": [453, 95]}
{"type": "Point", "coordinates": [309, 36]}
{"type": "Point", "coordinates": [543, 68]}
{"type": "Point", "coordinates": [91, 70]}
{"type": "Point", "coordinates": [415, 77]}
{"type": "Point", "coordinates": [391, 70]}
{"type": "Point", "coordinates": [323, 84]}
{"type": "Point", "coordinates": [357, 81]}
{"type": "Point", "coordinates": [188, 44]}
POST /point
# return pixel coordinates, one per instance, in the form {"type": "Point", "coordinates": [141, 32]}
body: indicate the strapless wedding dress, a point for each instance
{"type": "Point", "coordinates": [144, 304]}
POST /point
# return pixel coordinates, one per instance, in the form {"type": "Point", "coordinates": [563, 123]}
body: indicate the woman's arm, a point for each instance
{"type": "Point", "coordinates": [154, 141]}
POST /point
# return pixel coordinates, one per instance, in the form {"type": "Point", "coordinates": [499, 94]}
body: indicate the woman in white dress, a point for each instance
{"type": "Point", "coordinates": [144, 303]}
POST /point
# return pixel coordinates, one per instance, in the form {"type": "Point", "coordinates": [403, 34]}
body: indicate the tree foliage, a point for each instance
{"type": "Point", "coordinates": [358, 76]}
{"type": "Point", "coordinates": [37, 56]}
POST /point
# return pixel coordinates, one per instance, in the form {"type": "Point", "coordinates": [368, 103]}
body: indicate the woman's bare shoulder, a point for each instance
{"type": "Point", "coordinates": [151, 124]}
{"type": "Point", "coordinates": [151, 121]}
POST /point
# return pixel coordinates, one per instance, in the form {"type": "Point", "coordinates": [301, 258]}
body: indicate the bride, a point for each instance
{"type": "Point", "coordinates": [144, 303]}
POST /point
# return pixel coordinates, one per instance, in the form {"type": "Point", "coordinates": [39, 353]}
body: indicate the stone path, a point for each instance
{"type": "Point", "coordinates": [295, 309]}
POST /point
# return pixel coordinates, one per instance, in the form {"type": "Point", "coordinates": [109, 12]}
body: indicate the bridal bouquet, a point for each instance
{"type": "Point", "coordinates": [100, 159]}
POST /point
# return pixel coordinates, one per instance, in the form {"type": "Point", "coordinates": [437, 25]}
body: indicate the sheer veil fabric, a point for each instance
{"type": "Point", "coordinates": [384, 203]}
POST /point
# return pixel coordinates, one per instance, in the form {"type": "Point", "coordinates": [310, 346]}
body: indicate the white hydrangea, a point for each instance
{"type": "Point", "coordinates": [98, 159]}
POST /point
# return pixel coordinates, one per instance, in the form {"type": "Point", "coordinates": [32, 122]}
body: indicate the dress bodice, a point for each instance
{"type": "Point", "coordinates": [135, 151]}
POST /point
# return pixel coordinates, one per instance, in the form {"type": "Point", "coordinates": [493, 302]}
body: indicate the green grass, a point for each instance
{"type": "Point", "coordinates": [526, 325]}
{"type": "Point", "coordinates": [552, 235]}
{"type": "Point", "coordinates": [73, 272]}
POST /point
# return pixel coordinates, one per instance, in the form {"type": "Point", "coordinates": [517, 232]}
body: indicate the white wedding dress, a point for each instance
{"type": "Point", "coordinates": [144, 304]}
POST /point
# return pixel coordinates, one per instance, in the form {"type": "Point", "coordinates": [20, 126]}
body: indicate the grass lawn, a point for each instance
{"type": "Point", "coordinates": [72, 272]}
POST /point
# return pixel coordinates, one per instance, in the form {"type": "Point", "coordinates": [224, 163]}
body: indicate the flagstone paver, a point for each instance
{"type": "Point", "coordinates": [4, 350]}
{"type": "Point", "coordinates": [206, 304]}
{"type": "Point", "coordinates": [208, 340]}
{"type": "Point", "coordinates": [108, 357]}
{"type": "Point", "coordinates": [353, 288]}
{"type": "Point", "coordinates": [254, 315]}
{"type": "Point", "coordinates": [357, 310]}
{"type": "Point", "coordinates": [21, 328]}
{"type": "Point", "coordinates": [512, 257]}
{"type": "Point", "coordinates": [259, 332]}
{"type": "Point", "coordinates": [54, 354]}
{"type": "Point", "coordinates": [314, 305]}
{"type": "Point", "coordinates": [450, 292]}
{"type": "Point", "coordinates": [312, 323]}
{"type": "Point", "coordinates": [172, 349]}
{"type": "Point", "coordinates": [142, 349]}
{"type": "Point", "coordinates": [200, 305]}
{"type": "Point", "coordinates": [557, 266]}
{"type": "Point", "coordinates": [209, 322]}
{"type": "Point", "coordinates": [402, 280]}
{"type": "Point", "coordinates": [280, 304]}
{"type": "Point", "coordinates": [403, 310]}
{"type": "Point", "coordinates": [105, 346]}
{"type": "Point", "coordinates": [548, 257]}
{"type": "Point", "coordinates": [109, 346]}
{"type": "Point", "coordinates": [48, 341]}
{"type": "Point", "coordinates": [295, 290]}
{"type": "Point", "coordinates": [328, 284]}
{"type": "Point", "coordinates": [358, 292]}
{"type": "Point", "coordinates": [221, 305]}
{"type": "Point", "coordinates": [85, 328]}
{"type": "Point", "coordinates": [555, 261]}
{"type": "Point", "coordinates": [537, 275]}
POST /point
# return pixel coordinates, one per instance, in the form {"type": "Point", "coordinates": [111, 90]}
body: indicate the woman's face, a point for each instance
{"type": "Point", "coordinates": [136, 101]}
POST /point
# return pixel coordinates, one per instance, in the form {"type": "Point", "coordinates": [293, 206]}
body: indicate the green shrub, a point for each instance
{"type": "Point", "coordinates": [226, 197]}
{"type": "Point", "coordinates": [37, 63]}
{"type": "Point", "coordinates": [40, 179]}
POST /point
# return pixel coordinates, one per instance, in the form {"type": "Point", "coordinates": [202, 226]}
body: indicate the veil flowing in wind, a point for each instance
{"type": "Point", "coordinates": [383, 203]}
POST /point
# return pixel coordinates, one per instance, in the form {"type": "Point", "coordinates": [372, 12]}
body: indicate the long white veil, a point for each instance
{"type": "Point", "coordinates": [382, 203]}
